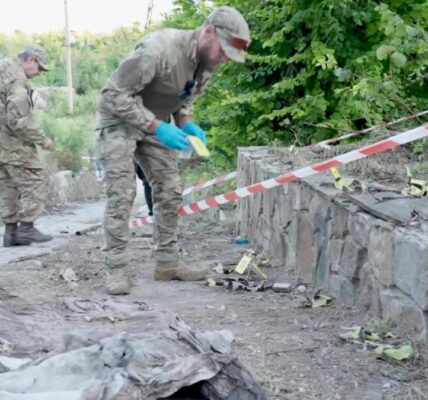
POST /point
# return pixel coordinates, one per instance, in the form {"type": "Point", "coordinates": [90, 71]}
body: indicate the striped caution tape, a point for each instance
{"type": "Point", "coordinates": [346, 158]}
{"type": "Point", "coordinates": [212, 182]}
{"type": "Point", "coordinates": [367, 151]}
{"type": "Point", "coordinates": [195, 188]}
{"type": "Point", "coordinates": [136, 222]}
{"type": "Point", "coordinates": [139, 222]}
{"type": "Point", "coordinates": [326, 143]}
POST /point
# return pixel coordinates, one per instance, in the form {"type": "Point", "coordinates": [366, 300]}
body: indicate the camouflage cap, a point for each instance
{"type": "Point", "coordinates": [34, 50]}
{"type": "Point", "coordinates": [232, 30]}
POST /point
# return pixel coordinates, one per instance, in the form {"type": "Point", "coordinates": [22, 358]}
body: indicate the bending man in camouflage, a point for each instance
{"type": "Point", "coordinates": [23, 183]}
{"type": "Point", "coordinates": [167, 70]}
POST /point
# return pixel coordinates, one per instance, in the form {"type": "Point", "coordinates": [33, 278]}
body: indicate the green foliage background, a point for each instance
{"type": "Point", "coordinates": [314, 67]}
{"type": "Point", "coordinates": [95, 56]}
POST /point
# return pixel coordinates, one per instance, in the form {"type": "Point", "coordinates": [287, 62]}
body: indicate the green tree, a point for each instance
{"type": "Point", "coordinates": [342, 64]}
{"type": "Point", "coordinates": [313, 67]}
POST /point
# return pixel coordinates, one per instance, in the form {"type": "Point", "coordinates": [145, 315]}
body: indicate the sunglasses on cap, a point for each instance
{"type": "Point", "coordinates": [240, 44]}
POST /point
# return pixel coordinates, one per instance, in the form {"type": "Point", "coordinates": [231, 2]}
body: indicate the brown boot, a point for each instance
{"type": "Point", "coordinates": [175, 270]}
{"type": "Point", "coordinates": [27, 234]}
{"type": "Point", "coordinates": [117, 281]}
{"type": "Point", "coordinates": [9, 237]}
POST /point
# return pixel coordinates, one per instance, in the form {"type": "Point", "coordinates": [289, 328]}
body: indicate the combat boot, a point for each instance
{"type": "Point", "coordinates": [9, 237]}
{"type": "Point", "coordinates": [27, 234]}
{"type": "Point", "coordinates": [117, 281]}
{"type": "Point", "coordinates": [175, 270]}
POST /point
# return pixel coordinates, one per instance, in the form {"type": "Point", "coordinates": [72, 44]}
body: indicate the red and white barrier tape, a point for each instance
{"type": "Point", "coordinates": [354, 155]}
{"type": "Point", "coordinates": [198, 186]}
{"type": "Point", "coordinates": [378, 147]}
{"type": "Point", "coordinates": [139, 222]}
{"type": "Point", "coordinates": [325, 143]}
{"type": "Point", "coordinates": [212, 182]}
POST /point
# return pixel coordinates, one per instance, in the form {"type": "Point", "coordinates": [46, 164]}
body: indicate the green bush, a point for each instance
{"type": "Point", "coordinates": [315, 67]}
{"type": "Point", "coordinates": [72, 135]}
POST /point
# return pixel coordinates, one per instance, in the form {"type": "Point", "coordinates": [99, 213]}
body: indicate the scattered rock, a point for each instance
{"type": "Point", "coordinates": [69, 275]}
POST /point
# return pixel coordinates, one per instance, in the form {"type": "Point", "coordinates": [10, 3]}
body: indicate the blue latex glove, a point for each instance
{"type": "Point", "coordinates": [171, 136]}
{"type": "Point", "coordinates": [195, 130]}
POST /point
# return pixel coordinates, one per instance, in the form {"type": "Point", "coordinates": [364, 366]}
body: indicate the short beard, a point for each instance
{"type": "Point", "coordinates": [204, 64]}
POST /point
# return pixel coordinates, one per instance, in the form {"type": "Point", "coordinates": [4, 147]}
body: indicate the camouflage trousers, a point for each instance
{"type": "Point", "coordinates": [23, 190]}
{"type": "Point", "coordinates": [116, 149]}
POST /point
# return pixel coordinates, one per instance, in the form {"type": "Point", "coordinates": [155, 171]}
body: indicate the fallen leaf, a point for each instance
{"type": "Point", "coordinates": [321, 300]}
{"type": "Point", "coordinates": [403, 353]}
{"type": "Point", "coordinates": [398, 354]}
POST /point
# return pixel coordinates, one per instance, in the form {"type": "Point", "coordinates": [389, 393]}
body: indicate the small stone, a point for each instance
{"type": "Point", "coordinates": [69, 275]}
{"type": "Point", "coordinates": [282, 287]}
{"type": "Point", "coordinates": [301, 289]}
{"type": "Point", "coordinates": [219, 268]}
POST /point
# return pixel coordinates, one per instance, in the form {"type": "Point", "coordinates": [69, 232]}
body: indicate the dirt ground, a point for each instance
{"type": "Point", "coordinates": [293, 352]}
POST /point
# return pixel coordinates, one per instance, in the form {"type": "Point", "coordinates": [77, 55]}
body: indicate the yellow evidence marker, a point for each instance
{"type": "Point", "coordinates": [200, 149]}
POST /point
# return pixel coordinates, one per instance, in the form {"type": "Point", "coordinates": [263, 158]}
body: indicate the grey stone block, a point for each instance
{"type": "Point", "coordinates": [423, 337]}
{"type": "Point", "coordinates": [336, 249]}
{"type": "Point", "coordinates": [359, 226]}
{"type": "Point", "coordinates": [342, 288]}
{"type": "Point", "coordinates": [411, 266]}
{"type": "Point", "coordinates": [305, 247]}
{"type": "Point", "coordinates": [321, 220]}
{"type": "Point", "coordinates": [353, 258]}
{"type": "Point", "coordinates": [403, 310]}
{"type": "Point", "coordinates": [368, 290]}
{"type": "Point", "coordinates": [302, 196]}
{"type": "Point", "coordinates": [283, 212]}
{"type": "Point", "coordinates": [339, 216]}
{"type": "Point", "coordinates": [381, 253]}
{"type": "Point", "coordinates": [65, 187]}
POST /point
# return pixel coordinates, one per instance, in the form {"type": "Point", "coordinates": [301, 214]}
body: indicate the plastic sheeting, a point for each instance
{"type": "Point", "coordinates": [87, 350]}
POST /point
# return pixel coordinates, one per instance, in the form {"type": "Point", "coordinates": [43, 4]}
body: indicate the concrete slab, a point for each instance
{"type": "Point", "coordinates": [392, 207]}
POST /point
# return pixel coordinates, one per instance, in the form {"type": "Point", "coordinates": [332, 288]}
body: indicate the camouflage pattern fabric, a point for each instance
{"type": "Point", "coordinates": [148, 84]}
{"type": "Point", "coordinates": [23, 183]}
{"type": "Point", "coordinates": [115, 151]}
{"type": "Point", "coordinates": [161, 169]}
{"type": "Point", "coordinates": [23, 193]}
{"type": "Point", "coordinates": [16, 108]}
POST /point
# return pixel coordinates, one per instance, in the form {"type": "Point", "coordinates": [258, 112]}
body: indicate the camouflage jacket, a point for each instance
{"type": "Point", "coordinates": [151, 82]}
{"type": "Point", "coordinates": [16, 121]}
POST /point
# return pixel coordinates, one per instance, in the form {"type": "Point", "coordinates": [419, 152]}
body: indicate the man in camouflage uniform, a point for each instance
{"type": "Point", "coordinates": [166, 71]}
{"type": "Point", "coordinates": [23, 182]}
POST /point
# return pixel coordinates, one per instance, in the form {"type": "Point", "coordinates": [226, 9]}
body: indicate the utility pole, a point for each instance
{"type": "Point", "coordinates": [69, 73]}
{"type": "Point", "coordinates": [149, 15]}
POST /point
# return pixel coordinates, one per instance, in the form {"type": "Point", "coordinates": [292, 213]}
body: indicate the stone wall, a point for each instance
{"type": "Point", "coordinates": [66, 188]}
{"type": "Point", "coordinates": [312, 231]}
